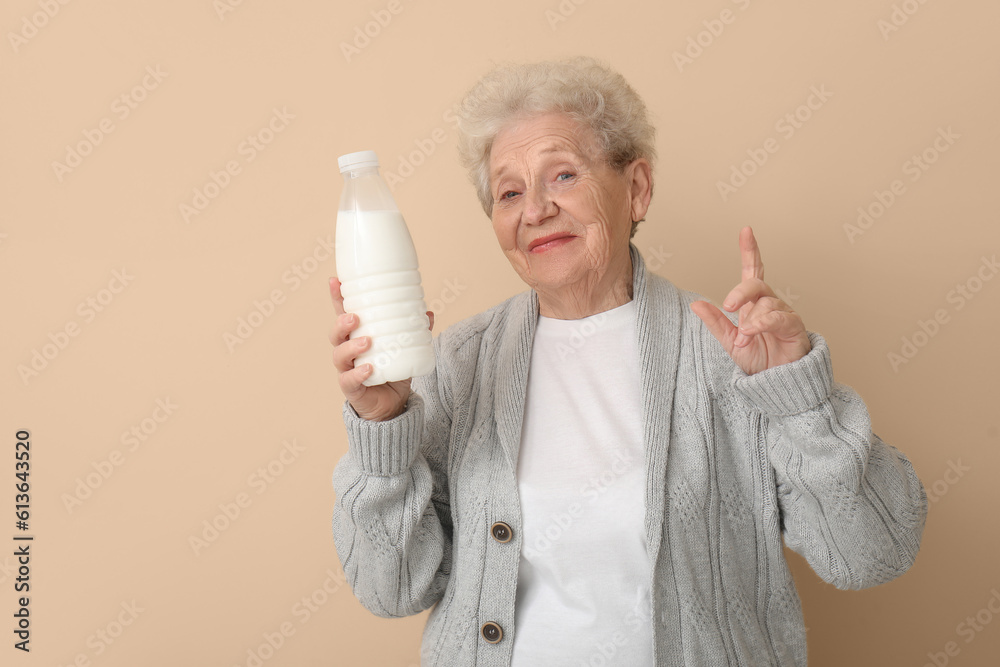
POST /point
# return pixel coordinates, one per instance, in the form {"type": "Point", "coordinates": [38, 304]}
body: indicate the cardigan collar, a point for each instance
{"type": "Point", "coordinates": [658, 334]}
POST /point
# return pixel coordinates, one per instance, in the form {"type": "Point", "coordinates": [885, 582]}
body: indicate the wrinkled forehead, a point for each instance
{"type": "Point", "coordinates": [539, 137]}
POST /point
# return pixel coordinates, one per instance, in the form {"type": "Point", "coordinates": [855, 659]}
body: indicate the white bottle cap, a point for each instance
{"type": "Point", "coordinates": [357, 160]}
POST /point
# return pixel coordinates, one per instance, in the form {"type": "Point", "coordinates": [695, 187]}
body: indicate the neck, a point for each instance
{"type": "Point", "coordinates": [598, 292]}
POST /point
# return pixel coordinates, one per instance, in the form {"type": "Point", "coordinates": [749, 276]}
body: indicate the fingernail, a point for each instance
{"type": "Point", "coordinates": [728, 304]}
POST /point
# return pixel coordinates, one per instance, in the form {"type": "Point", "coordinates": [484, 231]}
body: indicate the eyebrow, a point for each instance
{"type": "Point", "coordinates": [552, 148]}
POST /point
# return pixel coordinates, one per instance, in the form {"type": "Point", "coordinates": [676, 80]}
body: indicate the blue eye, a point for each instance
{"type": "Point", "coordinates": [565, 173]}
{"type": "Point", "coordinates": [505, 195]}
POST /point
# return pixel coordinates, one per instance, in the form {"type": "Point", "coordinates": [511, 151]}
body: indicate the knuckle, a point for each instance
{"type": "Point", "coordinates": [342, 354]}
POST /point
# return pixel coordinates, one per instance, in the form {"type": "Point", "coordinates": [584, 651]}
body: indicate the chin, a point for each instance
{"type": "Point", "coordinates": [554, 277]}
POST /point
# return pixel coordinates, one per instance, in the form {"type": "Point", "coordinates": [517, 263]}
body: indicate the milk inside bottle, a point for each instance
{"type": "Point", "coordinates": [380, 280]}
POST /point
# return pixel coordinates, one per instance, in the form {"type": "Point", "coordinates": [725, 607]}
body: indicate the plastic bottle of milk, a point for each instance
{"type": "Point", "coordinates": [377, 266]}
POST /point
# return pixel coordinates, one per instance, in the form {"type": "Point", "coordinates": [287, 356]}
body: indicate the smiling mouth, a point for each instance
{"type": "Point", "coordinates": [549, 243]}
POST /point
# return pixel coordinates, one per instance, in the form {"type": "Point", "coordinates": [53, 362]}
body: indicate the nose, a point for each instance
{"type": "Point", "coordinates": [538, 206]}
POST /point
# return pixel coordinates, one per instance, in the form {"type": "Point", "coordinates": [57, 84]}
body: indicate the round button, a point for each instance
{"type": "Point", "coordinates": [501, 532]}
{"type": "Point", "coordinates": [492, 632]}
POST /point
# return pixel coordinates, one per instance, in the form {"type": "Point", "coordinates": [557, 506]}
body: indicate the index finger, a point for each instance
{"type": "Point", "coordinates": [753, 267]}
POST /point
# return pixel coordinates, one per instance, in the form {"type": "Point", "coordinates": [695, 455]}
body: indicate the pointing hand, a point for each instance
{"type": "Point", "coordinates": [769, 333]}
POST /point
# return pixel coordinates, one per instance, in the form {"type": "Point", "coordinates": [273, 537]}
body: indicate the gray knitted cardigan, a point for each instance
{"type": "Point", "coordinates": [733, 464]}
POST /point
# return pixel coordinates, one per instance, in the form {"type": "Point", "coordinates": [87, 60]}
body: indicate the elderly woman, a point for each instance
{"type": "Point", "coordinates": [601, 469]}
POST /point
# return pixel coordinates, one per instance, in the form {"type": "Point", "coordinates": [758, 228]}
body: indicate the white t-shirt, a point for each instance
{"type": "Point", "coordinates": [583, 593]}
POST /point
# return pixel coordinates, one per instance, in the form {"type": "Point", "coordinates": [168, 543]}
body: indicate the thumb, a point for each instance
{"type": "Point", "coordinates": [717, 323]}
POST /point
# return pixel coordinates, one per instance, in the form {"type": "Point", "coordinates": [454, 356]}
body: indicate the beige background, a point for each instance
{"type": "Point", "coordinates": [162, 336]}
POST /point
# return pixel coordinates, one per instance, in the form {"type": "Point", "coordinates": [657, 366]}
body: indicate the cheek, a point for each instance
{"type": "Point", "coordinates": [504, 229]}
{"type": "Point", "coordinates": [593, 204]}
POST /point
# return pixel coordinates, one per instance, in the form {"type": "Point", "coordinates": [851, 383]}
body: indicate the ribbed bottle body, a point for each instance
{"type": "Point", "coordinates": [380, 280]}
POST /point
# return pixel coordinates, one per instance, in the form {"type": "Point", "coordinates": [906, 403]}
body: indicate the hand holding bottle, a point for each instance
{"type": "Point", "coordinates": [379, 402]}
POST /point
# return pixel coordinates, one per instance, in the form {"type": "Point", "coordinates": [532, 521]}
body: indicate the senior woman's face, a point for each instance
{"type": "Point", "coordinates": [548, 177]}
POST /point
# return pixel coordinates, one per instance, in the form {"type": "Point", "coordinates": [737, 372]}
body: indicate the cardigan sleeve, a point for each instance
{"type": "Point", "coordinates": [391, 518]}
{"type": "Point", "coordinates": [850, 504]}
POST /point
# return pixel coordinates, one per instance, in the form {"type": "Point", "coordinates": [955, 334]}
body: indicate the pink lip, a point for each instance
{"type": "Point", "coordinates": [546, 241]}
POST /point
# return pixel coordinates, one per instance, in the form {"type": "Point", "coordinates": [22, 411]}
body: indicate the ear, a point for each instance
{"type": "Point", "coordinates": [639, 179]}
